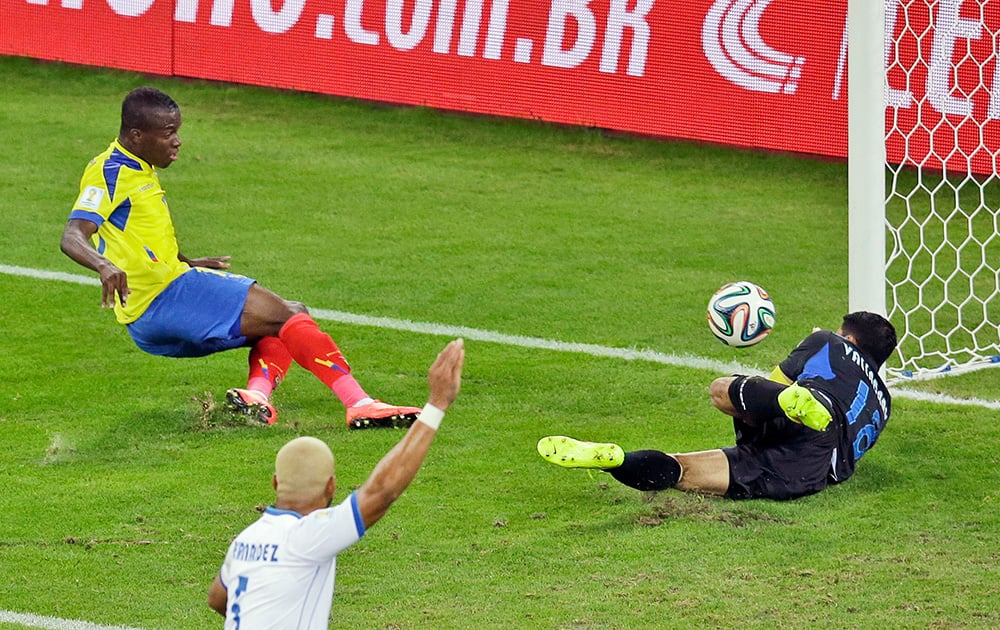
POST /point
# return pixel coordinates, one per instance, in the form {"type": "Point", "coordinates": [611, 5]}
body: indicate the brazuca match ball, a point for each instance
{"type": "Point", "coordinates": [740, 314]}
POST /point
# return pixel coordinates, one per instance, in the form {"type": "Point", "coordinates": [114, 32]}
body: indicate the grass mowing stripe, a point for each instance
{"type": "Point", "coordinates": [627, 354]}
{"type": "Point", "coordinates": [54, 623]}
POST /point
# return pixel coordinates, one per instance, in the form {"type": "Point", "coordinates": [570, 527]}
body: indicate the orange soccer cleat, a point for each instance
{"type": "Point", "coordinates": [377, 414]}
{"type": "Point", "coordinates": [253, 404]}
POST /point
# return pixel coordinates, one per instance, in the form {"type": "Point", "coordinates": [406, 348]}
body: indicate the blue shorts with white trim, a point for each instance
{"type": "Point", "coordinates": [197, 314]}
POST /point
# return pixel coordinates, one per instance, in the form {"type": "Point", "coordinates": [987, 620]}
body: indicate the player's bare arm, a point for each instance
{"type": "Point", "coordinates": [217, 596]}
{"type": "Point", "coordinates": [76, 244]}
{"type": "Point", "coordinates": [445, 376]}
{"type": "Point", "coordinates": [399, 466]}
{"type": "Point", "coordinates": [209, 262]}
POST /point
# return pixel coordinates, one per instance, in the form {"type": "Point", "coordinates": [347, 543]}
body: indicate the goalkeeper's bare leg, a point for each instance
{"type": "Point", "coordinates": [646, 470]}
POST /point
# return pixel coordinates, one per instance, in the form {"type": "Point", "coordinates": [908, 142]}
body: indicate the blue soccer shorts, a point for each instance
{"type": "Point", "coordinates": [197, 314]}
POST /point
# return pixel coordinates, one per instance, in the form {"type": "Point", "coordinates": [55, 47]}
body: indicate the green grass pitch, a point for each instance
{"type": "Point", "coordinates": [121, 490]}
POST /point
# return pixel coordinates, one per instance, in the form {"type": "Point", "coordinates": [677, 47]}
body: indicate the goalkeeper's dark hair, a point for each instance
{"type": "Point", "coordinates": [873, 334]}
{"type": "Point", "coordinates": [141, 104]}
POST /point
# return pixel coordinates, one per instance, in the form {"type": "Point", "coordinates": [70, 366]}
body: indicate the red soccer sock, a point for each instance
{"type": "Point", "coordinates": [314, 350]}
{"type": "Point", "coordinates": [269, 362]}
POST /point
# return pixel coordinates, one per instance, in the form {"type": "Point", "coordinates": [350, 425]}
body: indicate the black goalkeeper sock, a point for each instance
{"type": "Point", "coordinates": [647, 470]}
{"type": "Point", "coordinates": [756, 397]}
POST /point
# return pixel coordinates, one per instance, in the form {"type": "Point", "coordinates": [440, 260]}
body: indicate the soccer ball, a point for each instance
{"type": "Point", "coordinates": [740, 314]}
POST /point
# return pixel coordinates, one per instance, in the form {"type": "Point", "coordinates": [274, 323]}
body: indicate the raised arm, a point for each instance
{"type": "Point", "coordinates": [399, 466]}
{"type": "Point", "coordinates": [76, 244]}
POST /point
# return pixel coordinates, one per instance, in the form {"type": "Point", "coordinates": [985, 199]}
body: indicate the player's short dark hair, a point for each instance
{"type": "Point", "coordinates": [873, 334]}
{"type": "Point", "coordinates": [139, 107]}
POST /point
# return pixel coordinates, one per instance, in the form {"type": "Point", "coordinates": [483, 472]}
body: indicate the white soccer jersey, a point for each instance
{"type": "Point", "coordinates": [279, 571]}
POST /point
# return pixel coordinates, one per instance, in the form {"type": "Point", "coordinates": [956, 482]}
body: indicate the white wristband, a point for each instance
{"type": "Point", "coordinates": [431, 416]}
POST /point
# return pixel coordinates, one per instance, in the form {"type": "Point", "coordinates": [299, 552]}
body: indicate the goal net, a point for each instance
{"type": "Point", "coordinates": [939, 82]}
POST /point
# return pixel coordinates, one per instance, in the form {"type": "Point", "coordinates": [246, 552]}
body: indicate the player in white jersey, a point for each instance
{"type": "Point", "coordinates": [279, 572]}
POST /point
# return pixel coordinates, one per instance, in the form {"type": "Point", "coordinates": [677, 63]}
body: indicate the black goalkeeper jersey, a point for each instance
{"type": "Point", "coordinates": [827, 362]}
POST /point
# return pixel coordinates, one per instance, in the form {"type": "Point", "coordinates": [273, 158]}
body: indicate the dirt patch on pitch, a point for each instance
{"type": "Point", "coordinates": [701, 508]}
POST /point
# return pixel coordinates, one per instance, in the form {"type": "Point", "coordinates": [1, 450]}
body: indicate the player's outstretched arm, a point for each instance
{"type": "Point", "coordinates": [75, 243]}
{"type": "Point", "coordinates": [209, 262]}
{"type": "Point", "coordinates": [399, 466]}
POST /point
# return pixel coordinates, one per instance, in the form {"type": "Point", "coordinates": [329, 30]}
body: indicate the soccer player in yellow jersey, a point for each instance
{"type": "Point", "coordinates": [176, 306]}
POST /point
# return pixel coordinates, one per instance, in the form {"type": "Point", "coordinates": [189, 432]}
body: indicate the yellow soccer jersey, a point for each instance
{"type": "Point", "coordinates": [121, 194]}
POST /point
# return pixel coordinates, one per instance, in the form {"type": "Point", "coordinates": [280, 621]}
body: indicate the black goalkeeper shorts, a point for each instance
{"type": "Point", "coordinates": [780, 459]}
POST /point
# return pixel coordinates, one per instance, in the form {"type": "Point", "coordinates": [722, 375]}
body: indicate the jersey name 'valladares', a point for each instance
{"type": "Point", "coordinates": [855, 394]}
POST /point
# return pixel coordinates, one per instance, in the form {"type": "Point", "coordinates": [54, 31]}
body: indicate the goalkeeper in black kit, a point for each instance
{"type": "Point", "coordinates": [801, 429]}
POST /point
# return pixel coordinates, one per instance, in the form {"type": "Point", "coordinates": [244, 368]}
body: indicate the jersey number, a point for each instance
{"type": "Point", "coordinates": [867, 434]}
{"type": "Point", "coordinates": [235, 608]}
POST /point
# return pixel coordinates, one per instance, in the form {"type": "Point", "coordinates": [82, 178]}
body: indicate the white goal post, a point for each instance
{"type": "Point", "coordinates": [923, 187]}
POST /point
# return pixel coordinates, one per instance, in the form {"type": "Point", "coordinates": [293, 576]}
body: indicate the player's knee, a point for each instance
{"type": "Point", "coordinates": [296, 307]}
{"type": "Point", "coordinates": [719, 392]}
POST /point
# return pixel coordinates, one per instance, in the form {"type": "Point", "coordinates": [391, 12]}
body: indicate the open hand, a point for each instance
{"type": "Point", "coordinates": [445, 375]}
{"type": "Point", "coordinates": [210, 262]}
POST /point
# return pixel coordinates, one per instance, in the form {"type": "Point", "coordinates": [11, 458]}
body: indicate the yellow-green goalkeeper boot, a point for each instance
{"type": "Point", "coordinates": [801, 406]}
{"type": "Point", "coordinates": [569, 453]}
